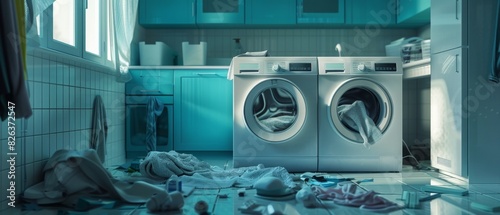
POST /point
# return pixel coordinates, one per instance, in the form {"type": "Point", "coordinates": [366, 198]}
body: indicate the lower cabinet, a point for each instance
{"type": "Point", "coordinates": [203, 110]}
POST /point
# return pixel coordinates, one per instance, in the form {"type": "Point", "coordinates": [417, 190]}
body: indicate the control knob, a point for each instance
{"type": "Point", "coordinates": [276, 67]}
{"type": "Point", "coordinates": [361, 67]}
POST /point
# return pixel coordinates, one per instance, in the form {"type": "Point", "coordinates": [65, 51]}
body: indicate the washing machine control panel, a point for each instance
{"type": "Point", "coordinates": [290, 67]}
{"type": "Point", "coordinates": [374, 67]}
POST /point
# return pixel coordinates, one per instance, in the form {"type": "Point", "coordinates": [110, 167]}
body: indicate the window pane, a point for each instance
{"type": "Point", "coordinates": [64, 21]}
{"type": "Point", "coordinates": [92, 27]}
{"type": "Point", "coordinates": [109, 33]}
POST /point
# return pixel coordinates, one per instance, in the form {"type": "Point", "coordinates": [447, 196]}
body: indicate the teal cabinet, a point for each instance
{"type": "Point", "coordinates": [220, 12]}
{"type": "Point", "coordinates": [320, 11]}
{"type": "Point", "coordinates": [275, 12]}
{"type": "Point", "coordinates": [158, 13]}
{"type": "Point", "coordinates": [203, 111]}
{"type": "Point", "coordinates": [414, 12]}
{"type": "Point", "coordinates": [371, 12]}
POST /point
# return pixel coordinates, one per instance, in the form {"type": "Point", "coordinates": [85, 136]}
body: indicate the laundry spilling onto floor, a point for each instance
{"type": "Point", "coordinates": [195, 173]}
{"type": "Point", "coordinates": [356, 117]}
{"type": "Point", "coordinates": [70, 175]}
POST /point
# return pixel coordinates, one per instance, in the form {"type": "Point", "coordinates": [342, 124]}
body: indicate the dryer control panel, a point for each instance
{"type": "Point", "coordinates": [359, 65]}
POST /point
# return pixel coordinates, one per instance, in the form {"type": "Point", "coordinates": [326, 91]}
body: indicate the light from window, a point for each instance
{"type": "Point", "coordinates": [64, 27]}
{"type": "Point", "coordinates": [92, 27]}
{"type": "Point", "coordinates": [109, 33]}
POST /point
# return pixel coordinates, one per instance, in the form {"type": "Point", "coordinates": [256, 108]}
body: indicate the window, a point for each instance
{"type": "Point", "coordinates": [80, 28]}
{"type": "Point", "coordinates": [64, 27]}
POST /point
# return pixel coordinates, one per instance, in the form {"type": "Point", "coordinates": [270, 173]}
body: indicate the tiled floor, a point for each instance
{"type": "Point", "coordinates": [388, 185]}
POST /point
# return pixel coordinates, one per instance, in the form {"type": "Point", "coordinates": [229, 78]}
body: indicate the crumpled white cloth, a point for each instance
{"type": "Point", "coordinates": [217, 177]}
{"type": "Point", "coordinates": [199, 174]}
{"type": "Point", "coordinates": [161, 165]}
{"type": "Point", "coordinates": [355, 116]}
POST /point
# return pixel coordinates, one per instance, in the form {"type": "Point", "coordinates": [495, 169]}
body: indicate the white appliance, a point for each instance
{"type": "Point", "coordinates": [275, 113]}
{"type": "Point", "coordinates": [465, 104]}
{"type": "Point", "coordinates": [377, 82]}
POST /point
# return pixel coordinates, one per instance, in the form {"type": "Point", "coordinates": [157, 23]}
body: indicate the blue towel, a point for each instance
{"type": "Point", "coordinates": [99, 130]}
{"type": "Point", "coordinates": [155, 108]}
{"type": "Point", "coordinates": [496, 49]}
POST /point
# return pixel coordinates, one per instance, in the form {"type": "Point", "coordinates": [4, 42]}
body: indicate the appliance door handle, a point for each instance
{"type": "Point", "coordinates": [193, 9]}
{"type": "Point", "coordinates": [208, 74]}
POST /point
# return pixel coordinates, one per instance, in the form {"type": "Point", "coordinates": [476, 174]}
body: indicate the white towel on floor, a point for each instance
{"type": "Point", "coordinates": [356, 117]}
{"type": "Point", "coordinates": [161, 165]}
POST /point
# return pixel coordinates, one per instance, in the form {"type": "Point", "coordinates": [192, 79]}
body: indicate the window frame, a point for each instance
{"type": "Point", "coordinates": [47, 38]}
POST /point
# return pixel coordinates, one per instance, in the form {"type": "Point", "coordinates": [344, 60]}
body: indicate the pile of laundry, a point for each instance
{"type": "Point", "coordinates": [345, 193]}
{"type": "Point", "coordinates": [199, 174]}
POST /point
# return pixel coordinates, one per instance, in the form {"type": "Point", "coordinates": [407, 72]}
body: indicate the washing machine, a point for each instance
{"type": "Point", "coordinates": [360, 114]}
{"type": "Point", "coordinates": [275, 112]}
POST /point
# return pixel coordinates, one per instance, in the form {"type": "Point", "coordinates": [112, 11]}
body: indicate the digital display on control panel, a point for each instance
{"type": "Point", "coordinates": [389, 67]}
{"type": "Point", "coordinates": [300, 67]}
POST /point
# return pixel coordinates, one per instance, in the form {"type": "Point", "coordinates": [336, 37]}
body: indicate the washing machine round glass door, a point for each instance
{"type": "Point", "coordinates": [275, 110]}
{"type": "Point", "coordinates": [375, 99]}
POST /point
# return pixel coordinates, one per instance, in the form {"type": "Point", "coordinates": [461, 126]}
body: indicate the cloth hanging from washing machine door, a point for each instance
{"type": "Point", "coordinates": [356, 117]}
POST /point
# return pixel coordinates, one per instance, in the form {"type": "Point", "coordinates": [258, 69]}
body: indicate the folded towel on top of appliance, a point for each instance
{"type": "Point", "coordinates": [355, 116]}
{"type": "Point", "coordinates": [161, 165]}
{"type": "Point", "coordinates": [230, 72]}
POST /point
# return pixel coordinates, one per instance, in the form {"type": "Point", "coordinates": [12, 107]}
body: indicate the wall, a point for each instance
{"type": "Point", "coordinates": [283, 42]}
{"type": "Point", "coordinates": [61, 95]}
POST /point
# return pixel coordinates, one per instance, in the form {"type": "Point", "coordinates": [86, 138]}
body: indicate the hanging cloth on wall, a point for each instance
{"type": "Point", "coordinates": [496, 48]}
{"type": "Point", "coordinates": [13, 92]}
{"type": "Point", "coordinates": [155, 108]}
{"type": "Point", "coordinates": [99, 130]}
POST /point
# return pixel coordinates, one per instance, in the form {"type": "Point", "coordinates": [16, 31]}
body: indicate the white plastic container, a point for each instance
{"type": "Point", "coordinates": [156, 54]}
{"type": "Point", "coordinates": [194, 54]}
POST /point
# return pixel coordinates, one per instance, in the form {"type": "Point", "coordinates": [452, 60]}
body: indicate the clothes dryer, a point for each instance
{"type": "Point", "coordinates": [360, 114]}
{"type": "Point", "coordinates": [275, 112]}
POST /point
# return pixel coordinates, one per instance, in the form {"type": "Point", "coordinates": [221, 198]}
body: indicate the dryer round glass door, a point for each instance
{"type": "Point", "coordinates": [375, 101]}
{"type": "Point", "coordinates": [275, 110]}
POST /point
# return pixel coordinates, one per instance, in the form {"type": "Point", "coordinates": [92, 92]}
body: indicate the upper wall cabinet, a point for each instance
{"type": "Point", "coordinates": [371, 12]}
{"type": "Point", "coordinates": [414, 12]}
{"type": "Point", "coordinates": [157, 13]}
{"type": "Point", "coordinates": [320, 11]}
{"type": "Point", "coordinates": [275, 12]}
{"type": "Point", "coordinates": [220, 12]}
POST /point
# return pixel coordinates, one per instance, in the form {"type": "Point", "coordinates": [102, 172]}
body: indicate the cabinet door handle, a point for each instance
{"type": "Point", "coordinates": [208, 74]}
{"type": "Point", "coordinates": [456, 9]}
{"type": "Point", "coordinates": [150, 91]}
{"type": "Point", "coordinates": [456, 64]}
{"type": "Point", "coordinates": [192, 8]}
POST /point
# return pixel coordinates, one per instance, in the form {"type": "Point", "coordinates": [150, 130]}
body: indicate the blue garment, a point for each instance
{"type": "Point", "coordinates": [99, 130]}
{"type": "Point", "coordinates": [155, 108]}
{"type": "Point", "coordinates": [496, 49]}
{"type": "Point", "coordinates": [13, 92]}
